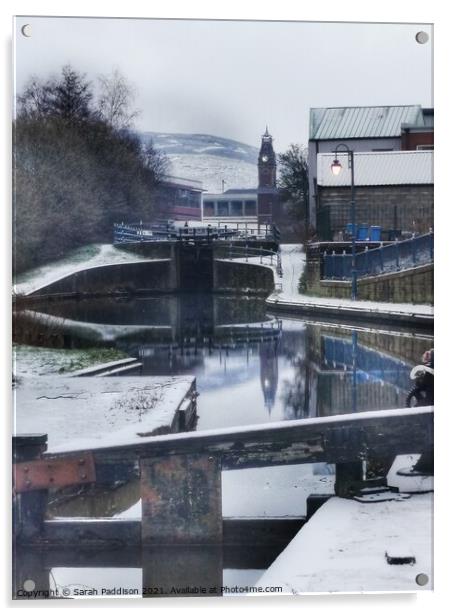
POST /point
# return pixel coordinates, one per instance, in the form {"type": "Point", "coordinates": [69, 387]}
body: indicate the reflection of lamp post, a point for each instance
{"type": "Point", "coordinates": [336, 168]}
{"type": "Point", "coordinates": [354, 366]}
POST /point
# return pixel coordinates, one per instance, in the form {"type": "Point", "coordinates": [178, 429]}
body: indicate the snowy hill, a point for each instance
{"type": "Point", "coordinates": [208, 159]}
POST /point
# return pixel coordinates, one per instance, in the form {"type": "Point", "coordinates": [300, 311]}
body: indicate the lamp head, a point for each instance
{"type": "Point", "coordinates": [336, 167]}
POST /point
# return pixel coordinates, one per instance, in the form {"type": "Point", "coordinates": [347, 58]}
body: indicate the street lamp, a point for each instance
{"type": "Point", "coordinates": [336, 168]}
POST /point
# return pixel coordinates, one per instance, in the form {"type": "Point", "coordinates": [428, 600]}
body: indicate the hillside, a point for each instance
{"type": "Point", "coordinates": [208, 159]}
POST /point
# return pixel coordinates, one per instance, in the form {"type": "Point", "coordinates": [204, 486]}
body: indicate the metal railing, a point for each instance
{"type": "Point", "coordinates": [394, 257]}
{"type": "Point", "coordinates": [261, 256]}
{"type": "Point", "coordinates": [168, 231]}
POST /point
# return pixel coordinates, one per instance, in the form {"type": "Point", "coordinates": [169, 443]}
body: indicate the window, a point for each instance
{"type": "Point", "coordinates": [236, 208]}
{"type": "Point", "coordinates": [250, 208]}
{"type": "Point", "coordinates": [425, 147]}
{"type": "Point", "coordinates": [223, 208]}
{"type": "Point", "coordinates": [209, 208]}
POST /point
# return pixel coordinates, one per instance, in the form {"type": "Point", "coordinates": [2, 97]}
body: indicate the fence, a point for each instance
{"type": "Point", "coordinates": [158, 232]}
{"type": "Point", "coordinates": [255, 255]}
{"type": "Point", "coordinates": [394, 257]}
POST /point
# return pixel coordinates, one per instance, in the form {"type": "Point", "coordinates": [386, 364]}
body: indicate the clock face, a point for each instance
{"type": "Point", "coordinates": [264, 158]}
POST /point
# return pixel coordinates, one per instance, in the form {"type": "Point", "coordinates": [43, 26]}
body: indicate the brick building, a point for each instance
{"type": "Point", "coordinates": [179, 199]}
{"type": "Point", "coordinates": [393, 190]}
{"type": "Point", "coordinates": [365, 129]}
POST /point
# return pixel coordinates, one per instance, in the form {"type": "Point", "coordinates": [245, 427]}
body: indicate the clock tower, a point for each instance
{"type": "Point", "coordinates": [267, 192]}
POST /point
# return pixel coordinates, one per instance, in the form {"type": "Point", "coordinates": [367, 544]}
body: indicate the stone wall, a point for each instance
{"type": "Point", "coordinates": [246, 278]}
{"type": "Point", "coordinates": [118, 278]}
{"type": "Point", "coordinates": [182, 267]}
{"type": "Point", "coordinates": [413, 286]}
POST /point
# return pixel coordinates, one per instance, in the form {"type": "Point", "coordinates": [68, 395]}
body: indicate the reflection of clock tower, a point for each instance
{"type": "Point", "coordinates": [266, 191]}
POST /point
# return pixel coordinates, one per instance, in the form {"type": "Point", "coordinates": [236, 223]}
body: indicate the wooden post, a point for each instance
{"type": "Point", "coordinates": [182, 571]}
{"type": "Point", "coordinates": [30, 575]}
{"type": "Point", "coordinates": [181, 497]}
{"type": "Point", "coordinates": [29, 507]}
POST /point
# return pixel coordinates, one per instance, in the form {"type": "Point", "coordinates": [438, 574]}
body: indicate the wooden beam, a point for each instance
{"type": "Point", "coordinates": [117, 533]}
{"type": "Point", "coordinates": [336, 439]}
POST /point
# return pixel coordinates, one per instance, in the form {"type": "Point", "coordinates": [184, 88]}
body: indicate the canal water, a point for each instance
{"type": "Point", "coordinates": [251, 367]}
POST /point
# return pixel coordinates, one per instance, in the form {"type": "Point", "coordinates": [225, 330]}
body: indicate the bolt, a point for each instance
{"type": "Point", "coordinates": [81, 461]}
{"type": "Point", "coordinates": [28, 482]}
{"type": "Point", "coordinates": [83, 476]}
{"type": "Point", "coordinates": [26, 469]}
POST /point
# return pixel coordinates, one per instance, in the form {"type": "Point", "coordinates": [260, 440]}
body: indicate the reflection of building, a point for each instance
{"type": "Point", "coordinates": [179, 199]}
{"type": "Point", "coordinates": [268, 354]}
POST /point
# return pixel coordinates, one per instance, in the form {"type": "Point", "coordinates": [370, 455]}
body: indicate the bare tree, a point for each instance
{"type": "Point", "coordinates": [156, 161]}
{"type": "Point", "coordinates": [34, 101]}
{"type": "Point", "coordinates": [115, 100]}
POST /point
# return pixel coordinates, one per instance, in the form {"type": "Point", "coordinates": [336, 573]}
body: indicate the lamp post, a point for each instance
{"type": "Point", "coordinates": [336, 168]}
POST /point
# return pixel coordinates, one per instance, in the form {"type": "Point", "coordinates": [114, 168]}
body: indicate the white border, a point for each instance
{"type": "Point", "coordinates": [415, 11]}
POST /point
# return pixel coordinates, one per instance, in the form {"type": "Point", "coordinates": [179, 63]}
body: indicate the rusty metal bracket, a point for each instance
{"type": "Point", "coordinates": [48, 473]}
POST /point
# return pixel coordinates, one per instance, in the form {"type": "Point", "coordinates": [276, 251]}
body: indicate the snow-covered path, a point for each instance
{"type": "Point", "coordinates": [293, 263]}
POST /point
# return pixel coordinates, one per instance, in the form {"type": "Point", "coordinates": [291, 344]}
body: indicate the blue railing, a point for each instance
{"type": "Point", "coordinates": [392, 257]}
{"type": "Point", "coordinates": [371, 365]}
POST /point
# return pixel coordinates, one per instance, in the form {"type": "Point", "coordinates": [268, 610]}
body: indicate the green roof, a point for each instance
{"type": "Point", "coordinates": [362, 122]}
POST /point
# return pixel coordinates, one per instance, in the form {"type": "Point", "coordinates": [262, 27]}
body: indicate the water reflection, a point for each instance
{"type": "Point", "coordinates": [250, 366]}
{"type": "Point", "coordinates": [148, 572]}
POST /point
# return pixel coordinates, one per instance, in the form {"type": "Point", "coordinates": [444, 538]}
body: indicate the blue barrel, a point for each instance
{"type": "Point", "coordinates": [375, 234]}
{"type": "Point", "coordinates": [351, 229]}
{"type": "Point", "coordinates": [363, 232]}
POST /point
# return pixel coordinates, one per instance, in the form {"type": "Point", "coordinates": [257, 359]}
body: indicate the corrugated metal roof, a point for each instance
{"type": "Point", "coordinates": [378, 168]}
{"type": "Point", "coordinates": [362, 122]}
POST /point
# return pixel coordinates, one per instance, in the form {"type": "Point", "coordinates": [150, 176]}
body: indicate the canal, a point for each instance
{"type": "Point", "coordinates": [251, 367]}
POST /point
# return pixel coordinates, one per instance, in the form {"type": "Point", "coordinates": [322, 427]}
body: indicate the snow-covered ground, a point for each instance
{"type": "Point", "coordinates": [41, 361]}
{"type": "Point", "coordinates": [93, 255]}
{"type": "Point", "coordinates": [211, 170]}
{"type": "Point", "coordinates": [293, 261]}
{"type": "Point", "coordinates": [347, 304]}
{"type": "Point", "coordinates": [293, 264]}
{"type": "Point", "coordinates": [343, 548]}
{"type": "Point", "coordinates": [88, 412]}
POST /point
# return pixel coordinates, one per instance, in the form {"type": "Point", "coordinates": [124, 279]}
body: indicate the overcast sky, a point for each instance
{"type": "Point", "coordinates": [232, 78]}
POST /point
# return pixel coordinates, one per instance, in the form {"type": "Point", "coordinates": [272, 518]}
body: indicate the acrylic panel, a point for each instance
{"type": "Point", "coordinates": [222, 307]}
